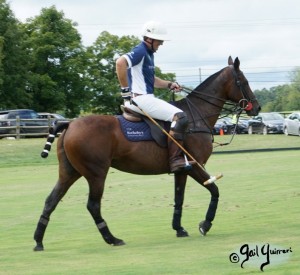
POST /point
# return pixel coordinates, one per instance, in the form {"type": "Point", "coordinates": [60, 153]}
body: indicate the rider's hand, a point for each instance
{"type": "Point", "coordinates": [125, 93]}
{"type": "Point", "coordinates": [174, 86]}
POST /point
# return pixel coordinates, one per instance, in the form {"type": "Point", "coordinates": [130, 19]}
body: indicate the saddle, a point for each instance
{"type": "Point", "coordinates": [137, 127]}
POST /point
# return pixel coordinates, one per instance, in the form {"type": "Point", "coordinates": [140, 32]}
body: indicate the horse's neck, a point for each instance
{"type": "Point", "coordinates": [209, 97]}
{"type": "Point", "coordinates": [206, 106]}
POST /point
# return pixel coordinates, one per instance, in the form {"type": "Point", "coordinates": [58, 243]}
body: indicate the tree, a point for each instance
{"type": "Point", "coordinates": [281, 98]}
{"type": "Point", "coordinates": [57, 72]}
{"type": "Point", "coordinates": [103, 83]}
{"type": "Point", "coordinates": [13, 62]}
{"type": "Point", "coordinates": [295, 78]}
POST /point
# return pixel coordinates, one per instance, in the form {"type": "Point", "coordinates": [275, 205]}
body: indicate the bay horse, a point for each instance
{"type": "Point", "coordinates": [90, 145]}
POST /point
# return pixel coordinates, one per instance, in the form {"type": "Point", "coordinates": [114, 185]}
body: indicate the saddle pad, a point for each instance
{"type": "Point", "coordinates": [135, 131]}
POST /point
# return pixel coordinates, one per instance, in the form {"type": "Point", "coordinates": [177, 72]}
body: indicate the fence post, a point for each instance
{"type": "Point", "coordinates": [18, 123]}
{"type": "Point", "coordinates": [49, 121]}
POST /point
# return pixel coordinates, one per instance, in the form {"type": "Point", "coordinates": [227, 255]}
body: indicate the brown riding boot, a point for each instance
{"type": "Point", "coordinates": [176, 159]}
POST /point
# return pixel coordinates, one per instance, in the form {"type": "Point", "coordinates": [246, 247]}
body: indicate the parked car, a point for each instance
{"type": "Point", "coordinates": [3, 124]}
{"type": "Point", "coordinates": [266, 123]}
{"type": "Point", "coordinates": [30, 122]}
{"type": "Point", "coordinates": [292, 124]}
{"type": "Point", "coordinates": [242, 127]}
{"type": "Point", "coordinates": [50, 115]}
{"type": "Point", "coordinates": [220, 124]}
{"type": "Point", "coordinates": [226, 124]}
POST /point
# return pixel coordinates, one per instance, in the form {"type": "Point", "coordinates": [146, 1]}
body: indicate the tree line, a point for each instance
{"type": "Point", "coordinates": [44, 66]}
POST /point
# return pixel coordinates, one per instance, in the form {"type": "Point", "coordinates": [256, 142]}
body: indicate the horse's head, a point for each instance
{"type": "Point", "coordinates": [239, 90]}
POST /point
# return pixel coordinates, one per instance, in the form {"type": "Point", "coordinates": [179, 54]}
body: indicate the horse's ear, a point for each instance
{"type": "Point", "coordinates": [236, 63]}
{"type": "Point", "coordinates": [230, 61]}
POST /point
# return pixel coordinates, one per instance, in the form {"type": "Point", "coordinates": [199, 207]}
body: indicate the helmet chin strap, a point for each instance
{"type": "Point", "coordinates": [152, 46]}
{"type": "Point", "coordinates": [150, 43]}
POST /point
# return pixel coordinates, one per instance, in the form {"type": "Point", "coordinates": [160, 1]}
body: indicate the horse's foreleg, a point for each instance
{"type": "Point", "coordinates": [94, 207]}
{"type": "Point", "coordinates": [180, 183]}
{"type": "Point", "coordinates": [205, 225]}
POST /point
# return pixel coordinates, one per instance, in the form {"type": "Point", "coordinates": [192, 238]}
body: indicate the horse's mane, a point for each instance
{"type": "Point", "coordinates": [202, 86]}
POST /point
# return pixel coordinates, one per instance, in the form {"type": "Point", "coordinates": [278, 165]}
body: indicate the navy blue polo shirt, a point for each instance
{"type": "Point", "coordinates": [140, 69]}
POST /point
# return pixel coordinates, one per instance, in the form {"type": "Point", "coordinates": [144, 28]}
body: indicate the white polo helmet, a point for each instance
{"type": "Point", "coordinates": [155, 30]}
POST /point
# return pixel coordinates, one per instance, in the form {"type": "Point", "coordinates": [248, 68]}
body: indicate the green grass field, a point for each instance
{"type": "Point", "coordinates": [259, 204]}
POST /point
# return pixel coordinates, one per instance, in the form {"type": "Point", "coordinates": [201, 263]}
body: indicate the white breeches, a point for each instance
{"type": "Point", "coordinates": [154, 107]}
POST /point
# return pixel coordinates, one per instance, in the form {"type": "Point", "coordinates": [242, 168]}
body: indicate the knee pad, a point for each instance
{"type": "Point", "coordinates": [180, 122]}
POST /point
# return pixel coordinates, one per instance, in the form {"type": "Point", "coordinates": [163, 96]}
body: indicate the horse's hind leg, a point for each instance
{"type": "Point", "coordinates": [51, 202]}
{"type": "Point", "coordinates": [96, 184]}
{"type": "Point", "coordinates": [67, 176]}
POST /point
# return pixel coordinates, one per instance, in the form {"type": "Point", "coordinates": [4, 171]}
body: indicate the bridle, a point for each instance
{"type": "Point", "coordinates": [245, 104]}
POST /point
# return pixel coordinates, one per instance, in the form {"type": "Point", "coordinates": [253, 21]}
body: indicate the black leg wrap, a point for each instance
{"type": "Point", "coordinates": [41, 228]}
{"type": "Point", "coordinates": [211, 212]}
{"type": "Point", "coordinates": [39, 233]}
{"type": "Point", "coordinates": [103, 229]}
{"type": "Point", "coordinates": [205, 226]}
{"type": "Point", "coordinates": [176, 224]}
{"type": "Point", "coordinates": [107, 236]}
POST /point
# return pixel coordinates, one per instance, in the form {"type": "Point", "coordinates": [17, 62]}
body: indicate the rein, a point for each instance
{"type": "Point", "coordinates": [233, 133]}
{"type": "Point", "coordinates": [199, 95]}
{"type": "Point", "coordinates": [237, 108]}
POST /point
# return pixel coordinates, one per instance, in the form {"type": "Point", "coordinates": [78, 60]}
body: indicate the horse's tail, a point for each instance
{"type": "Point", "coordinates": [53, 130]}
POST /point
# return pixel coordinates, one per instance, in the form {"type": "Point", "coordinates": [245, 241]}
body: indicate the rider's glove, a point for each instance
{"type": "Point", "coordinates": [174, 86]}
{"type": "Point", "coordinates": [125, 93]}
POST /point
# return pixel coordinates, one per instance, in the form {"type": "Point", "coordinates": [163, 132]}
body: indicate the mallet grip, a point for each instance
{"type": "Point", "coordinates": [213, 179]}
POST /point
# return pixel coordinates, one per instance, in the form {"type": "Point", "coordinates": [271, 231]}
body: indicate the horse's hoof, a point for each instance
{"type": "Point", "coordinates": [118, 242]}
{"type": "Point", "coordinates": [38, 247]}
{"type": "Point", "coordinates": [182, 233]}
{"type": "Point", "coordinates": [204, 227]}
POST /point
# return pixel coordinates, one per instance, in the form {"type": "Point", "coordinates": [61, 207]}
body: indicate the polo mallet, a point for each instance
{"type": "Point", "coordinates": [212, 179]}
